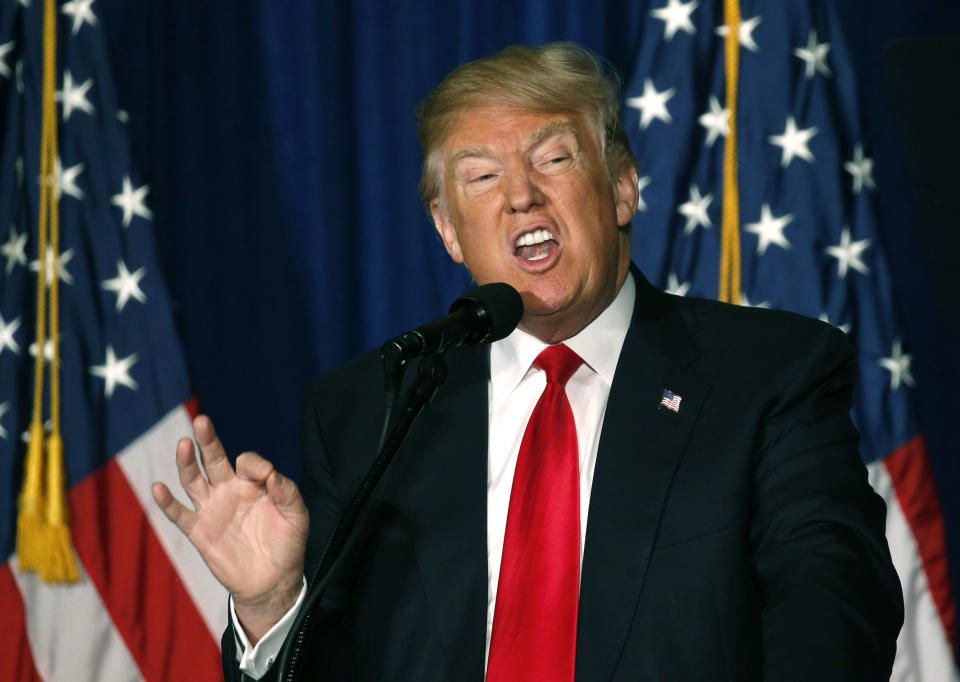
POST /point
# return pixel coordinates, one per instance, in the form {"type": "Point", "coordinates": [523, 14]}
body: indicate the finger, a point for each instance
{"type": "Point", "coordinates": [214, 457]}
{"type": "Point", "coordinates": [182, 517]}
{"type": "Point", "coordinates": [191, 476]}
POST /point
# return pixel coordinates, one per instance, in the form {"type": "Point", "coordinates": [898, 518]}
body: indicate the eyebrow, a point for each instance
{"type": "Point", "coordinates": [538, 137]}
{"type": "Point", "coordinates": [551, 129]}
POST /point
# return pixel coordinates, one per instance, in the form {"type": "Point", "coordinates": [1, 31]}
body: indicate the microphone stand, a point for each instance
{"type": "Point", "coordinates": [431, 374]}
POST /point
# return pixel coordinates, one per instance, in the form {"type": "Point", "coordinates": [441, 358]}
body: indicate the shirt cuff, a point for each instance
{"type": "Point", "coordinates": [256, 660]}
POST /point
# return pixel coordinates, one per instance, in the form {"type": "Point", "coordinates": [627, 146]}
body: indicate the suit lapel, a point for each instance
{"type": "Point", "coordinates": [640, 446]}
{"type": "Point", "coordinates": [449, 493]}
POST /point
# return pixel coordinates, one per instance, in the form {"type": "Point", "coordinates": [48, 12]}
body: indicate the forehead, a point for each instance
{"type": "Point", "coordinates": [486, 130]}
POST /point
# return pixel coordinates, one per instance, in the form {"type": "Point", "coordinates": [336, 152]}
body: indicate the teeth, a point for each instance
{"type": "Point", "coordinates": [533, 237]}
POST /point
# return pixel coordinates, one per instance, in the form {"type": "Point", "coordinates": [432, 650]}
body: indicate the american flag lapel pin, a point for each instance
{"type": "Point", "coordinates": [670, 400]}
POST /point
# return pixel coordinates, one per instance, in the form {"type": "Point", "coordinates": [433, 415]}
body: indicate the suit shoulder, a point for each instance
{"type": "Point", "coordinates": [723, 327]}
{"type": "Point", "coordinates": [355, 377]}
{"type": "Point", "coordinates": [760, 349]}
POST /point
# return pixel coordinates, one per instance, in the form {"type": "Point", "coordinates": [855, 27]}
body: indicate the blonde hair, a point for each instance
{"type": "Point", "coordinates": [555, 78]}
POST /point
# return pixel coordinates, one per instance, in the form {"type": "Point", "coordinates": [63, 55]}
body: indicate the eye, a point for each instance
{"type": "Point", "coordinates": [478, 181]}
{"type": "Point", "coordinates": [555, 162]}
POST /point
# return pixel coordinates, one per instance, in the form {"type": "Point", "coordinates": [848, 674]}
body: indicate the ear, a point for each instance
{"type": "Point", "coordinates": [447, 230]}
{"type": "Point", "coordinates": [626, 194]}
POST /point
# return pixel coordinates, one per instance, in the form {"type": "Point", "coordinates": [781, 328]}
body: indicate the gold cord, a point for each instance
{"type": "Point", "coordinates": [730, 239]}
{"type": "Point", "coordinates": [43, 531]}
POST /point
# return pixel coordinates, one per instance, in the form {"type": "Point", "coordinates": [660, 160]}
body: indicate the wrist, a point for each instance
{"type": "Point", "coordinates": [260, 613]}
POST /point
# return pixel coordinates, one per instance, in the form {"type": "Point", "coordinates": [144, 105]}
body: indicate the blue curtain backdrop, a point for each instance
{"type": "Point", "coordinates": [279, 142]}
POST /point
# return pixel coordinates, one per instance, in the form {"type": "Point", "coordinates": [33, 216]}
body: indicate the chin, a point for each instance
{"type": "Point", "coordinates": [548, 295]}
{"type": "Point", "coordinates": [539, 309]}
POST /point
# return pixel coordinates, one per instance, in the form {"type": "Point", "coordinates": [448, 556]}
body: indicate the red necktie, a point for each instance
{"type": "Point", "coordinates": [535, 621]}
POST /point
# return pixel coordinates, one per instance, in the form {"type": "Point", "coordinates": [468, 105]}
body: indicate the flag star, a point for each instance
{"type": "Point", "coordinates": [115, 371]}
{"type": "Point", "coordinates": [4, 50]}
{"type": "Point", "coordinates": [849, 254]}
{"type": "Point", "coordinates": [14, 249]}
{"type": "Point", "coordinates": [814, 55]}
{"type": "Point", "coordinates": [898, 364]}
{"type": "Point", "coordinates": [744, 34]}
{"type": "Point", "coordinates": [126, 285]}
{"type": "Point", "coordinates": [642, 185]}
{"type": "Point", "coordinates": [6, 335]}
{"type": "Point", "coordinates": [23, 3]}
{"type": "Point", "coordinates": [61, 266]}
{"type": "Point", "coordinates": [65, 181]}
{"type": "Point", "coordinates": [861, 168]}
{"type": "Point", "coordinates": [47, 350]}
{"type": "Point", "coordinates": [845, 328]}
{"type": "Point", "coordinates": [675, 286]}
{"type": "Point", "coordinates": [131, 201]}
{"type": "Point", "coordinates": [74, 96]}
{"type": "Point", "coordinates": [4, 408]}
{"type": "Point", "coordinates": [123, 116]}
{"type": "Point", "coordinates": [745, 302]}
{"type": "Point", "coordinates": [769, 229]}
{"type": "Point", "coordinates": [695, 210]}
{"type": "Point", "coordinates": [794, 142]}
{"type": "Point", "coordinates": [81, 11]}
{"type": "Point", "coordinates": [652, 104]}
{"type": "Point", "coordinates": [676, 17]}
{"type": "Point", "coordinates": [716, 121]}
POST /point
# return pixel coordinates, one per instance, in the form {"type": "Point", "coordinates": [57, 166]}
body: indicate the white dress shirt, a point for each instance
{"type": "Point", "coordinates": [514, 388]}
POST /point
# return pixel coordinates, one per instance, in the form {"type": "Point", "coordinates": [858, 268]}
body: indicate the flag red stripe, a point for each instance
{"type": "Point", "coordinates": [192, 406]}
{"type": "Point", "coordinates": [137, 582]}
{"type": "Point", "coordinates": [16, 660]}
{"type": "Point", "coordinates": [913, 481]}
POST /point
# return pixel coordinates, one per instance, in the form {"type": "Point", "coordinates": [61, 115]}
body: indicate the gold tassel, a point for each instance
{"type": "Point", "coordinates": [30, 518]}
{"type": "Point", "coordinates": [57, 564]}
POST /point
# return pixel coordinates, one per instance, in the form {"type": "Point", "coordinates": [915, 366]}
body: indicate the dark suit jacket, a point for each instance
{"type": "Point", "coordinates": [736, 539]}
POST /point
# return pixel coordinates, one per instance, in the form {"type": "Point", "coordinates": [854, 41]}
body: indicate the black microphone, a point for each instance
{"type": "Point", "coordinates": [483, 314]}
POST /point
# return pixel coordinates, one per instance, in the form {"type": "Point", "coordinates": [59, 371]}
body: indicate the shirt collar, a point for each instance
{"type": "Point", "coordinates": [598, 343]}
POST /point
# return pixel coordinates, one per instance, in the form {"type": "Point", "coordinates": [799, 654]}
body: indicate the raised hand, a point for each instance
{"type": "Point", "coordinates": [250, 526]}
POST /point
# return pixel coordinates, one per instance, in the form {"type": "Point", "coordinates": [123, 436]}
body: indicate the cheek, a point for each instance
{"type": "Point", "coordinates": [481, 255]}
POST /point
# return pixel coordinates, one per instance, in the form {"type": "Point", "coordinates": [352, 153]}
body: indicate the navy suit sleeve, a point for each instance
{"type": "Point", "coordinates": [328, 652]}
{"type": "Point", "coordinates": [832, 600]}
{"type": "Point", "coordinates": [231, 669]}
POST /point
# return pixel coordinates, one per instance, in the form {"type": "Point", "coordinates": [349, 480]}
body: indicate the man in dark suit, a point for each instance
{"type": "Point", "coordinates": [716, 522]}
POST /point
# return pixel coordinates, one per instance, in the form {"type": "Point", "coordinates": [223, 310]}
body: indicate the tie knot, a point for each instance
{"type": "Point", "coordinates": [559, 363]}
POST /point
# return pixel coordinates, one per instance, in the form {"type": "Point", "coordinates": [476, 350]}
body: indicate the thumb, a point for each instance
{"type": "Point", "coordinates": [253, 467]}
{"type": "Point", "coordinates": [283, 491]}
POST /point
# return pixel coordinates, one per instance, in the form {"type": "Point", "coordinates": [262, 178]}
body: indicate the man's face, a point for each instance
{"type": "Point", "coordinates": [526, 200]}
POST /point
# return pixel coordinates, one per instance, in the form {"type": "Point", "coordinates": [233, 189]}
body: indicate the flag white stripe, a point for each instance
{"type": "Point", "coordinates": [151, 458]}
{"type": "Point", "coordinates": [923, 651]}
{"type": "Point", "coordinates": [72, 637]}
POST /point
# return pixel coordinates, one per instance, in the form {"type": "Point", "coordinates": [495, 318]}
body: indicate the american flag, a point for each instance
{"type": "Point", "coordinates": [670, 400]}
{"type": "Point", "coordinates": [145, 606]}
{"type": "Point", "coordinates": [809, 239]}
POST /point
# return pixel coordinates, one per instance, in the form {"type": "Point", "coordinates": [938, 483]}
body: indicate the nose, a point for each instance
{"type": "Point", "coordinates": [521, 192]}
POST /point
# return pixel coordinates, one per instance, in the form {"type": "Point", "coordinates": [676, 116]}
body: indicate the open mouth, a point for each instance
{"type": "Point", "coordinates": [535, 245]}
